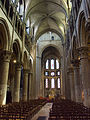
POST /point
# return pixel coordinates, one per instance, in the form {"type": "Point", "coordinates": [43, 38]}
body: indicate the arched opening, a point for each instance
{"type": "Point", "coordinates": [51, 74]}
{"type": "Point", "coordinates": [4, 52]}
{"type": "Point", "coordinates": [15, 58]}
{"type": "Point", "coordinates": [82, 29]}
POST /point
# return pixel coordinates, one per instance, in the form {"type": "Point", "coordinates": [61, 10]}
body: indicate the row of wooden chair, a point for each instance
{"type": "Point", "coordinates": [68, 110]}
{"type": "Point", "coordinates": [21, 110]}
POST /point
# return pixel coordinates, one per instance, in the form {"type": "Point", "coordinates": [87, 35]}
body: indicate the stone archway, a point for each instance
{"type": "Point", "coordinates": [15, 73]}
{"type": "Point", "coordinates": [25, 80]}
{"type": "Point", "coordinates": [5, 56]}
{"type": "Point", "coordinates": [49, 75]}
{"type": "Point", "coordinates": [84, 60]}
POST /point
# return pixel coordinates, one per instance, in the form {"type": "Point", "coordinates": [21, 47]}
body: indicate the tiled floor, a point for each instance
{"type": "Point", "coordinates": [44, 112]}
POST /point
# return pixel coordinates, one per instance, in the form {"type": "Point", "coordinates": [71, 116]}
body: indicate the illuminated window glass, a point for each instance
{"type": "Point", "coordinates": [58, 82]}
{"type": "Point", "coordinates": [58, 73]}
{"type": "Point", "coordinates": [46, 83]}
{"type": "Point", "coordinates": [52, 73]}
{"type": "Point", "coordinates": [27, 26]}
{"type": "Point", "coordinates": [46, 73]}
{"type": "Point", "coordinates": [52, 64]}
{"type": "Point", "coordinates": [57, 64]}
{"type": "Point", "coordinates": [18, 7]}
{"type": "Point", "coordinates": [52, 83]}
{"type": "Point", "coordinates": [13, 1]}
{"type": "Point", "coordinates": [47, 64]}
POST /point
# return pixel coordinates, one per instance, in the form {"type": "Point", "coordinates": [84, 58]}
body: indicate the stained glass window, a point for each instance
{"type": "Point", "coordinates": [47, 64]}
{"type": "Point", "coordinates": [52, 64]}
{"type": "Point", "coordinates": [27, 26]}
{"type": "Point", "coordinates": [18, 7]}
{"type": "Point", "coordinates": [46, 73]}
{"type": "Point", "coordinates": [52, 73]}
{"type": "Point", "coordinates": [13, 1]}
{"type": "Point", "coordinates": [57, 64]}
{"type": "Point", "coordinates": [58, 73]}
{"type": "Point", "coordinates": [58, 83]}
{"type": "Point", "coordinates": [46, 83]}
{"type": "Point", "coordinates": [52, 83]}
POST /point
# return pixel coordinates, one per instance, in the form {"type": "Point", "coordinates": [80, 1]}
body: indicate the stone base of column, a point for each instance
{"type": "Point", "coordinates": [3, 91]}
{"type": "Point", "coordinates": [24, 98]}
{"type": "Point", "coordinates": [87, 97]}
{"type": "Point", "coordinates": [78, 94]}
{"type": "Point", "coordinates": [16, 96]}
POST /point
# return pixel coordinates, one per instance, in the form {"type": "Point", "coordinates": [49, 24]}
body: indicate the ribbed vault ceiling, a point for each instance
{"type": "Point", "coordinates": [47, 15]}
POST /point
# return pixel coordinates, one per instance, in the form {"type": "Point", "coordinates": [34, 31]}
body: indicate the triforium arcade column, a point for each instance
{"type": "Point", "coordinates": [71, 77]}
{"type": "Point", "coordinates": [77, 81]}
{"type": "Point", "coordinates": [85, 74]}
{"type": "Point", "coordinates": [16, 94]}
{"type": "Point", "coordinates": [25, 85]}
{"type": "Point", "coordinates": [4, 69]}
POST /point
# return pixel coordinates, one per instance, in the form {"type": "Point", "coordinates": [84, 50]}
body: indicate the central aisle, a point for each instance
{"type": "Point", "coordinates": [43, 114]}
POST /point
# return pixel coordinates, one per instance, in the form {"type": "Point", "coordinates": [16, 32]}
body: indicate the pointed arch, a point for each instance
{"type": "Point", "coordinates": [81, 29]}
{"type": "Point", "coordinates": [4, 34]}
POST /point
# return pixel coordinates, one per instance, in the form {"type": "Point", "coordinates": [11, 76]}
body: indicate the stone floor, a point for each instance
{"type": "Point", "coordinates": [43, 114]}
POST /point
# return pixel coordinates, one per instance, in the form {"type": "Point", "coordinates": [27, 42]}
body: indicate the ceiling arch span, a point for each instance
{"type": "Point", "coordinates": [42, 18]}
{"type": "Point", "coordinates": [47, 30]}
{"type": "Point", "coordinates": [50, 50]}
{"type": "Point", "coordinates": [40, 3]}
{"type": "Point", "coordinates": [48, 23]}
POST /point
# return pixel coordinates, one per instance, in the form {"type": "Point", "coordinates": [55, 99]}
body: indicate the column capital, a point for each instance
{"type": "Point", "coordinates": [26, 71]}
{"type": "Point", "coordinates": [83, 52]}
{"type": "Point", "coordinates": [18, 65]}
{"type": "Point", "coordinates": [75, 62]}
{"type": "Point", "coordinates": [5, 56]}
{"type": "Point", "coordinates": [70, 70]}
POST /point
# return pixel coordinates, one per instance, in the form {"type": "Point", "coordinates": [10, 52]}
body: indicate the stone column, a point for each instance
{"type": "Point", "coordinates": [30, 85]}
{"type": "Point", "coordinates": [77, 81]}
{"type": "Point", "coordinates": [38, 75]}
{"type": "Point", "coordinates": [68, 91]}
{"type": "Point", "coordinates": [12, 85]}
{"type": "Point", "coordinates": [85, 74]}
{"type": "Point", "coordinates": [72, 87]}
{"type": "Point", "coordinates": [42, 88]}
{"type": "Point", "coordinates": [16, 94]}
{"type": "Point", "coordinates": [25, 85]}
{"type": "Point", "coordinates": [4, 66]}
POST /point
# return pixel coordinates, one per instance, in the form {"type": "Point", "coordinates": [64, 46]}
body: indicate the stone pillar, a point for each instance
{"type": "Point", "coordinates": [42, 88]}
{"type": "Point", "coordinates": [72, 87]}
{"type": "Point", "coordinates": [68, 92]}
{"type": "Point", "coordinates": [77, 81]}
{"type": "Point", "coordinates": [30, 90]}
{"type": "Point", "coordinates": [38, 75]}
{"type": "Point", "coordinates": [25, 85]}
{"type": "Point", "coordinates": [85, 74]}
{"type": "Point", "coordinates": [16, 94]}
{"type": "Point", "coordinates": [12, 85]}
{"type": "Point", "coordinates": [4, 66]}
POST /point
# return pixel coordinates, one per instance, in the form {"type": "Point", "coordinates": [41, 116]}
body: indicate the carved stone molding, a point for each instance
{"type": "Point", "coordinates": [83, 52]}
{"type": "Point", "coordinates": [26, 71]}
{"type": "Point", "coordinates": [88, 25]}
{"type": "Point", "coordinates": [75, 62]}
{"type": "Point", "coordinates": [70, 70]}
{"type": "Point", "coordinates": [5, 56]}
{"type": "Point", "coordinates": [18, 66]}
